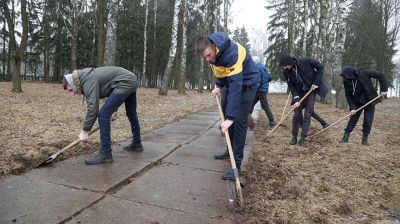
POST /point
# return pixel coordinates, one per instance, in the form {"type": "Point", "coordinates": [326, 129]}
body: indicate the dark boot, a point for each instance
{"type": "Point", "coordinates": [229, 175]}
{"type": "Point", "coordinates": [325, 125]}
{"type": "Point", "coordinates": [222, 156]}
{"type": "Point", "coordinates": [302, 141]}
{"type": "Point", "coordinates": [293, 141]}
{"type": "Point", "coordinates": [364, 140]}
{"type": "Point", "coordinates": [271, 125]}
{"type": "Point", "coordinates": [134, 146]}
{"type": "Point", "coordinates": [345, 138]}
{"type": "Point", "coordinates": [102, 157]}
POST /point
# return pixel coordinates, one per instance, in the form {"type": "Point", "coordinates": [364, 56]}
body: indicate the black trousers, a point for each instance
{"type": "Point", "coordinates": [308, 106]}
{"type": "Point", "coordinates": [369, 112]}
{"type": "Point", "coordinates": [262, 97]}
{"type": "Point", "coordinates": [316, 117]}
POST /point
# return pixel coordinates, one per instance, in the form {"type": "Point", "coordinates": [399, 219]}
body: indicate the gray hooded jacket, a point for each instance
{"type": "Point", "coordinates": [98, 83]}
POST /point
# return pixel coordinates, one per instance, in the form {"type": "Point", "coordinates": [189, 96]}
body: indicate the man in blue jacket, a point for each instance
{"type": "Point", "coordinates": [262, 91]}
{"type": "Point", "coordinates": [234, 69]}
{"type": "Point", "coordinates": [303, 74]}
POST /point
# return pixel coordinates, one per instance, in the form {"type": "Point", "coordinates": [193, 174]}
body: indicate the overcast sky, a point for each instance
{"type": "Point", "coordinates": [253, 15]}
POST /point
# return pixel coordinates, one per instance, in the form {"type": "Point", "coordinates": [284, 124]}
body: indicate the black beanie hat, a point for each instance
{"type": "Point", "coordinates": [286, 60]}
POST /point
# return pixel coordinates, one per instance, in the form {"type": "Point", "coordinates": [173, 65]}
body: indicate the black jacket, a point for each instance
{"type": "Point", "coordinates": [309, 72]}
{"type": "Point", "coordinates": [359, 89]}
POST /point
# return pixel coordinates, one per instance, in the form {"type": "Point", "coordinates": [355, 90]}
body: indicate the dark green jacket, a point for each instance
{"type": "Point", "coordinates": [98, 83]}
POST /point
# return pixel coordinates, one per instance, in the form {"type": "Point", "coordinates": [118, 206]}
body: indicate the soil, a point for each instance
{"type": "Point", "coordinates": [326, 181]}
{"type": "Point", "coordinates": [45, 118]}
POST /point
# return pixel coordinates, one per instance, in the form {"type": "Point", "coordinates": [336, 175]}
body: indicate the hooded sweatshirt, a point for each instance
{"type": "Point", "coordinates": [305, 72]}
{"type": "Point", "coordinates": [234, 69]}
{"type": "Point", "coordinates": [358, 86]}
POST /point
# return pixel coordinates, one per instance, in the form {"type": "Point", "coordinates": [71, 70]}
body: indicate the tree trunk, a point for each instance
{"type": "Point", "coordinates": [182, 75]}
{"type": "Point", "coordinates": [201, 77]}
{"type": "Point", "coordinates": [111, 36]}
{"type": "Point", "coordinates": [227, 3]}
{"type": "Point", "coordinates": [17, 54]}
{"type": "Point", "coordinates": [337, 54]}
{"type": "Point", "coordinates": [101, 10]}
{"type": "Point", "coordinates": [145, 41]}
{"type": "Point", "coordinates": [291, 21]}
{"type": "Point", "coordinates": [154, 75]}
{"type": "Point", "coordinates": [305, 25]}
{"type": "Point", "coordinates": [4, 51]}
{"type": "Point", "coordinates": [172, 52]}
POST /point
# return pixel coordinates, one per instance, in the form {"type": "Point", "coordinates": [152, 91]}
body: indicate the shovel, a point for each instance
{"type": "Point", "coordinates": [57, 154]}
{"type": "Point", "coordinates": [235, 195]}
{"type": "Point", "coordinates": [348, 115]}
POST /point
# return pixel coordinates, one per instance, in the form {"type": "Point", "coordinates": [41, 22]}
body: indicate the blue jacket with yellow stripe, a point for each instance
{"type": "Point", "coordinates": [234, 69]}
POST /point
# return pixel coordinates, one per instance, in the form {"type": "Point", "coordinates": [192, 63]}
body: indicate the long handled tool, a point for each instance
{"type": "Point", "coordinates": [348, 115]}
{"type": "Point", "coordinates": [57, 154]}
{"type": "Point", "coordinates": [301, 100]}
{"type": "Point", "coordinates": [284, 109]}
{"type": "Point", "coordinates": [234, 194]}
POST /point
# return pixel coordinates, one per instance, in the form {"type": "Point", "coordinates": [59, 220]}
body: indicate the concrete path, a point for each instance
{"type": "Point", "coordinates": [174, 180]}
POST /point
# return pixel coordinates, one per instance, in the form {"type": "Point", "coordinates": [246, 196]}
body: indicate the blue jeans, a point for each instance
{"type": "Point", "coordinates": [111, 105]}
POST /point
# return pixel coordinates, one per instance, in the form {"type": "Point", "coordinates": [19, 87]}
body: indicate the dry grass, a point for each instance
{"type": "Point", "coordinates": [326, 182]}
{"type": "Point", "coordinates": [44, 118]}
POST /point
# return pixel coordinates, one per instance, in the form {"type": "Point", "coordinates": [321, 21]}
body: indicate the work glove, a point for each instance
{"type": "Point", "coordinates": [84, 135]}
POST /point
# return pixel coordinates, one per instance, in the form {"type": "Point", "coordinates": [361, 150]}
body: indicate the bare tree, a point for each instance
{"type": "Point", "coordinates": [182, 75]}
{"type": "Point", "coordinates": [146, 2]}
{"type": "Point", "coordinates": [172, 52]}
{"type": "Point", "coordinates": [70, 14]}
{"type": "Point", "coordinates": [16, 53]}
{"type": "Point", "coordinates": [111, 35]}
{"type": "Point", "coordinates": [291, 25]}
{"type": "Point", "coordinates": [101, 10]}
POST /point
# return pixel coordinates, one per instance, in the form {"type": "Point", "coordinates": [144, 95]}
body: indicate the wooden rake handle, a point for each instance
{"type": "Point", "coordinates": [290, 111]}
{"type": "Point", "coordinates": [228, 142]}
{"type": "Point", "coordinates": [348, 115]}
{"type": "Point", "coordinates": [287, 101]}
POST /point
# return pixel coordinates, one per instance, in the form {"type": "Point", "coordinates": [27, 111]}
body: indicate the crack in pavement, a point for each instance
{"type": "Point", "coordinates": [112, 190]}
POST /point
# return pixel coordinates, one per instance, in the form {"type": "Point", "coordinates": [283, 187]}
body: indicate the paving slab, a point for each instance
{"type": "Point", "coordinates": [25, 200]}
{"type": "Point", "coordinates": [185, 188]}
{"type": "Point", "coordinates": [194, 156]}
{"type": "Point", "coordinates": [181, 129]}
{"type": "Point", "coordinates": [74, 172]}
{"type": "Point", "coordinates": [204, 117]}
{"type": "Point", "coordinates": [191, 122]}
{"type": "Point", "coordinates": [166, 138]}
{"type": "Point", "coordinates": [181, 188]}
{"type": "Point", "coordinates": [209, 122]}
{"type": "Point", "coordinates": [117, 210]}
